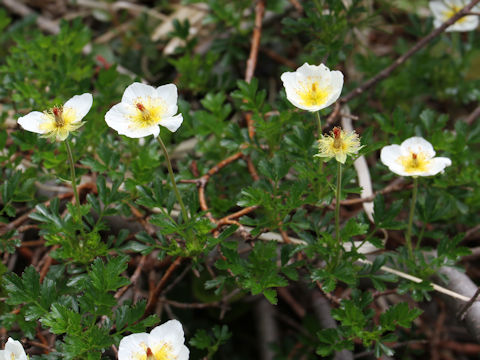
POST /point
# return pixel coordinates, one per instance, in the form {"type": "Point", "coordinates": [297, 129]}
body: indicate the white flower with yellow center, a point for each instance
{"type": "Point", "coordinates": [414, 157]}
{"type": "Point", "coordinates": [445, 9]}
{"type": "Point", "coordinates": [312, 87]}
{"type": "Point", "coordinates": [143, 109]}
{"type": "Point", "coordinates": [165, 342]}
{"type": "Point", "coordinates": [339, 144]}
{"type": "Point", "coordinates": [13, 351]}
{"type": "Point", "coordinates": [59, 121]}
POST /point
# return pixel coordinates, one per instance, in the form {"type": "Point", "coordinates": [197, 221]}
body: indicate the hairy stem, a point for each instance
{"type": "Point", "coordinates": [337, 206]}
{"type": "Point", "coordinates": [319, 123]}
{"type": "Point", "coordinates": [408, 236]}
{"type": "Point", "coordinates": [172, 178]}
{"type": "Point", "coordinates": [72, 172]}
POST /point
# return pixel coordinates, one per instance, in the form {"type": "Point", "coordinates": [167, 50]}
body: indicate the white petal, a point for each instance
{"type": "Point", "coordinates": [170, 332]}
{"type": "Point", "coordinates": [172, 123]}
{"type": "Point", "coordinates": [438, 164]}
{"type": "Point", "coordinates": [317, 71]}
{"type": "Point", "coordinates": [15, 348]}
{"type": "Point", "coordinates": [119, 115]}
{"type": "Point", "coordinates": [137, 90]}
{"type": "Point", "coordinates": [32, 121]}
{"type": "Point", "coordinates": [457, 3]}
{"type": "Point", "coordinates": [295, 81]}
{"type": "Point", "coordinates": [417, 145]}
{"type": "Point", "coordinates": [438, 8]}
{"type": "Point", "coordinates": [136, 132]}
{"type": "Point", "coordinates": [168, 93]}
{"type": "Point", "coordinates": [290, 83]}
{"type": "Point", "coordinates": [389, 154]}
{"type": "Point", "coordinates": [131, 345]}
{"type": "Point", "coordinates": [335, 87]}
{"type": "Point", "coordinates": [399, 170]}
{"type": "Point", "coordinates": [184, 353]}
{"type": "Point", "coordinates": [469, 23]}
{"type": "Point", "coordinates": [437, 22]}
{"type": "Point", "coordinates": [81, 104]}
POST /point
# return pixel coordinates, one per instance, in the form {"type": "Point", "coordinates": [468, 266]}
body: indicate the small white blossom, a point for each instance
{"type": "Point", "coordinates": [414, 157]}
{"type": "Point", "coordinates": [165, 342]}
{"type": "Point", "coordinates": [59, 121]}
{"type": "Point", "coordinates": [312, 87]}
{"type": "Point", "coordinates": [13, 351]}
{"type": "Point", "coordinates": [445, 9]}
{"type": "Point", "coordinates": [339, 144]}
{"type": "Point", "coordinates": [143, 109]}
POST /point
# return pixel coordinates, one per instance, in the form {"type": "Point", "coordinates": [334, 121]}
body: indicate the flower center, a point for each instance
{"type": "Point", "coordinates": [147, 116]}
{"type": "Point", "coordinates": [147, 112]}
{"type": "Point", "coordinates": [163, 353]}
{"type": "Point", "coordinates": [415, 162]}
{"type": "Point", "coordinates": [311, 94]}
{"type": "Point", "coordinates": [452, 10]}
{"type": "Point", "coordinates": [58, 114]}
{"type": "Point", "coordinates": [337, 138]}
{"type": "Point", "coordinates": [150, 355]}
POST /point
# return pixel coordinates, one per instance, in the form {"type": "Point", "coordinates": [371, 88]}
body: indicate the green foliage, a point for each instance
{"type": "Point", "coordinates": [72, 306]}
{"type": "Point", "coordinates": [257, 274]}
{"type": "Point", "coordinates": [205, 341]}
{"type": "Point", "coordinates": [54, 64]}
{"type": "Point", "coordinates": [209, 266]}
{"type": "Point", "coordinates": [356, 317]}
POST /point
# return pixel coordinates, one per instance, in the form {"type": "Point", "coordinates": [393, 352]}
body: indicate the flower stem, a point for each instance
{"type": "Point", "coordinates": [408, 236]}
{"type": "Point", "coordinates": [319, 123]}
{"type": "Point", "coordinates": [337, 206]}
{"type": "Point", "coordinates": [72, 173]}
{"type": "Point", "coordinates": [172, 178]}
{"type": "Point", "coordinates": [77, 217]}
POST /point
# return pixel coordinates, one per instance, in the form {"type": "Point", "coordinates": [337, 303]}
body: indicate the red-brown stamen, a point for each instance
{"type": "Point", "coordinates": [337, 139]}
{"type": "Point", "coordinates": [140, 107]}
{"type": "Point", "coordinates": [150, 355]}
{"type": "Point", "coordinates": [414, 160]}
{"type": "Point", "coordinates": [58, 113]}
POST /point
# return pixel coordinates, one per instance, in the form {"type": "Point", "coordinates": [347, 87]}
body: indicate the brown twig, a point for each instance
{"type": "Point", "coordinates": [290, 300]}
{"type": "Point", "coordinates": [153, 296]}
{"type": "Point", "coordinates": [202, 182]}
{"type": "Point", "coordinates": [396, 185]}
{"type": "Point", "coordinates": [257, 32]}
{"type": "Point", "coordinates": [473, 116]}
{"type": "Point", "coordinates": [133, 278]}
{"type": "Point", "coordinates": [296, 4]}
{"type": "Point", "coordinates": [252, 58]}
{"type": "Point", "coordinates": [226, 219]}
{"type": "Point", "coordinates": [463, 311]}
{"type": "Point", "coordinates": [279, 58]}
{"type": "Point", "coordinates": [47, 264]}
{"type": "Point", "coordinates": [401, 59]}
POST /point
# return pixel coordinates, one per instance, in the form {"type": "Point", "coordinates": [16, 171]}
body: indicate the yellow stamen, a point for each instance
{"type": "Point", "coordinates": [58, 114]}
{"type": "Point", "coordinates": [415, 162]}
{"type": "Point", "coordinates": [452, 10]}
{"type": "Point", "coordinates": [311, 94]}
{"type": "Point", "coordinates": [59, 123]}
{"type": "Point", "coordinates": [148, 112]}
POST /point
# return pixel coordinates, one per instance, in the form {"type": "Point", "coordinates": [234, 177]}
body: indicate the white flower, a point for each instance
{"type": "Point", "coordinates": [143, 109]}
{"type": "Point", "coordinates": [13, 351]}
{"type": "Point", "coordinates": [59, 121]}
{"type": "Point", "coordinates": [445, 9]}
{"type": "Point", "coordinates": [414, 157]}
{"type": "Point", "coordinates": [312, 87]}
{"type": "Point", "coordinates": [165, 342]}
{"type": "Point", "coordinates": [338, 145]}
